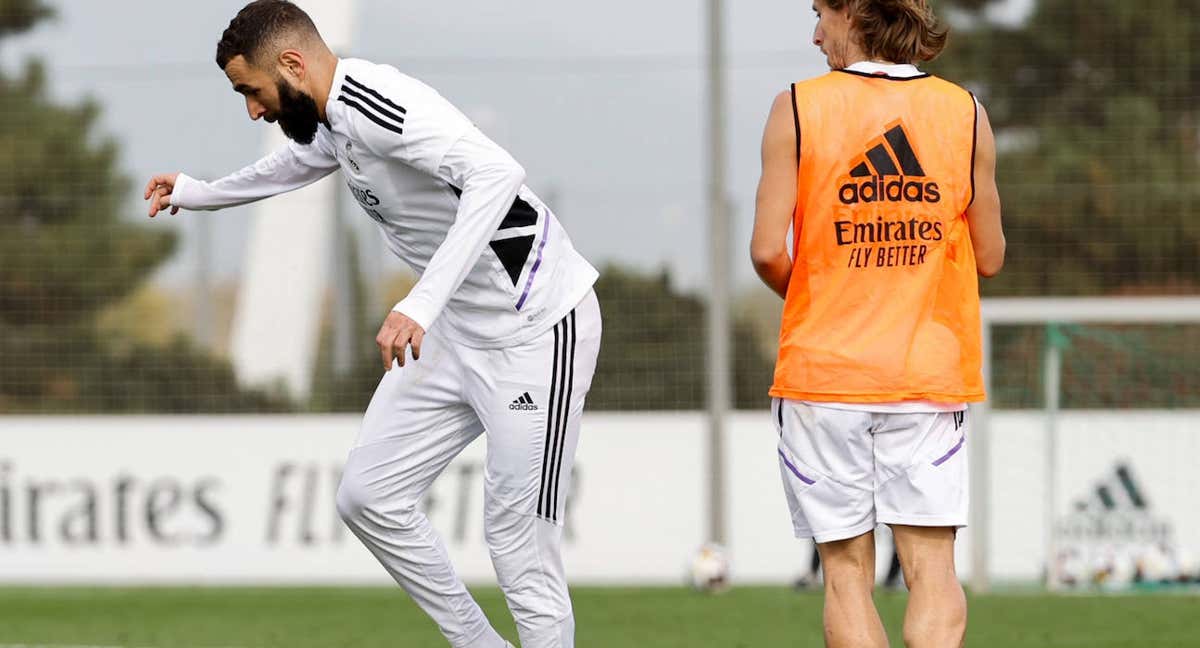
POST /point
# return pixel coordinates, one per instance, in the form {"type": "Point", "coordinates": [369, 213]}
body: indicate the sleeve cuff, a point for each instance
{"type": "Point", "coordinates": [184, 184]}
{"type": "Point", "coordinates": [416, 311]}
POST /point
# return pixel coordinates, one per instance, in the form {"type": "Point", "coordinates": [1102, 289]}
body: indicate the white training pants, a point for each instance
{"type": "Point", "coordinates": [528, 399]}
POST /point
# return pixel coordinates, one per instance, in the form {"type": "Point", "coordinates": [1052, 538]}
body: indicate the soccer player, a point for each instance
{"type": "Point", "coordinates": [499, 335]}
{"type": "Point", "coordinates": [886, 177]}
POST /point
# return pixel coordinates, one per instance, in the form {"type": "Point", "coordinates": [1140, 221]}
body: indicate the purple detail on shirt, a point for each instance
{"type": "Point", "coordinates": [953, 451]}
{"type": "Point", "coordinates": [795, 472]}
{"type": "Point", "coordinates": [537, 263]}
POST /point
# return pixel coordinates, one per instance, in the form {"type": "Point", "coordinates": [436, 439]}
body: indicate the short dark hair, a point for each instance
{"type": "Point", "coordinates": [897, 31]}
{"type": "Point", "coordinates": [260, 24]}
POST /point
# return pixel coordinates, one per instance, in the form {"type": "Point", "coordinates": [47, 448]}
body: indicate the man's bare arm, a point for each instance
{"type": "Point", "coordinates": [776, 200]}
{"type": "Point", "coordinates": [983, 216]}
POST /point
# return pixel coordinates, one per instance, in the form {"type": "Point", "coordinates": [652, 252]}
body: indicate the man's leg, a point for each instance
{"type": "Point", "coordinates": [527, 554]}
{"type": "Point", "coordinates": [851, 620]}
{"type": "Point", "coordinates": [937, 608]}
{"type": "Point", "coordinates": [827, 465]}
{"type": "Point", "coordinates": [415, 425]}
{"type": "Point", "coordinates": [921, 461]}
{"type": "Point", "coordinates": [531, 400]}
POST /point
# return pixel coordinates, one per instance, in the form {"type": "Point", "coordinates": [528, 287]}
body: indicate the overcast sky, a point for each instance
{"type": "Point", "coordinates": [602, 102]}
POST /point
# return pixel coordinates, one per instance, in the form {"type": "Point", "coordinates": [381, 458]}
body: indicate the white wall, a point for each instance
{"type": "Point", "coordinates": [250, 499]}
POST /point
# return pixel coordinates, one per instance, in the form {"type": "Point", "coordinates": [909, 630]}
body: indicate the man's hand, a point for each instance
{"type": "Point", "coordinates": [158, 192]}
{"type": "Point", "coordinates": [398, 332]}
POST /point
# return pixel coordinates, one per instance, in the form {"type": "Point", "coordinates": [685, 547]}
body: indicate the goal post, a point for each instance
{"type": "Point", "coordinates": [1053, 313]}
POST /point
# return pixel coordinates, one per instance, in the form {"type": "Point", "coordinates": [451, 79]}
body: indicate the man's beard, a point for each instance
{"type": "Point", "coordinates": [298, 116]}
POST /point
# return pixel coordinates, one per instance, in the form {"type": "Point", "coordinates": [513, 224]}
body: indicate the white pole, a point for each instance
{"type": "Point", "coordinates": [1052, 379]}
{"type": "Point", "coordinates": [1083, 310]}
{"type": "Point", "coordinates": [718, 302]}
{"type": "Point", "coordinates": [979, 458]}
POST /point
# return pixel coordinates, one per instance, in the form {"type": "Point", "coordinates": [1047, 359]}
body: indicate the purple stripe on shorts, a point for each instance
{"type": "Point", "coordinates": [537, 263]}
{"type": "Point", "coordinates": [953, 451]}
{"type": "Point", "coordinates": [795, 472]}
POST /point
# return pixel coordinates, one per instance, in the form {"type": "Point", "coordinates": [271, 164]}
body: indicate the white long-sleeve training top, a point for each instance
{"type": "Point", "coordinates": [496, 267]}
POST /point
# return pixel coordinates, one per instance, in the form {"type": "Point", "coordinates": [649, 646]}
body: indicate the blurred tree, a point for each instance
{"type": "Point", "coordinates": [17, 16]}
{"type": "Point", "coordinates": [1104, 367]}
{"type": "Point", "coordinates": [654, 349]}
{"type": "Point", "coordinates": [349, 389]}
{"type": "Point", "coordinates": [67, 253]}
{"type": "Point", "coordinates": [1094, 105]}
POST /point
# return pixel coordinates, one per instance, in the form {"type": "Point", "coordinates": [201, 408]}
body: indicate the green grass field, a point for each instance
{"type": "Point", "coordinates": [609, 618]}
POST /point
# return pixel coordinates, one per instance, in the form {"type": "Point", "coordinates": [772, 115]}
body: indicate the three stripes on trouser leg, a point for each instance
{"type": "Point", "coordinates": [562, 379]}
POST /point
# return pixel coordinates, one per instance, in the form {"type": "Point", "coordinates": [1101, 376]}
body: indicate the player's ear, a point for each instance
{"type": "Point", "coordinates": [291, 65]}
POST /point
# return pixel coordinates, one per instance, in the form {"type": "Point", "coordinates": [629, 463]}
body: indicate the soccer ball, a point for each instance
{"type": "Point", "coordinates": [1189, 567]}
{"type": "Point", "coordinates": [709, 570]}
{"type": "Point", "coordinates": [1123, 569]}
{"type": "Point", "coordinates": [1154, 565]}
{"type": "Point", "coordinates": [1071, 568]}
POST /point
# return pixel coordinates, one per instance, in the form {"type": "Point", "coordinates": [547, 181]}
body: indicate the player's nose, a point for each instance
{"type": "Point", "coordinates": [255, 110]}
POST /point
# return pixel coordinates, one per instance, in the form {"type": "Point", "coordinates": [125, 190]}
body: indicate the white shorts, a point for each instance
{"type": "Point", "coordinates": [846, 471]}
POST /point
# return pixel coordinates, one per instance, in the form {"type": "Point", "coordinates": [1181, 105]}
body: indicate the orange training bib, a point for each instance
{"type": "Point", "coordinates": [883, 301]}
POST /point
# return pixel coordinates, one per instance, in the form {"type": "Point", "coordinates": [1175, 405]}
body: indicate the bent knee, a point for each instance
{"type": "Point", "coordinates": [932, 574]}
{"type": "Point", "coordinates": [352, 498]}
{"type": "Point", "coordinates": [358, 498]}
{"type": "Point", "coordinates": [935, 568]}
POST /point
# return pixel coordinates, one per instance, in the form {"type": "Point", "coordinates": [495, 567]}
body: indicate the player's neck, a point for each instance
{"type": "Point", "coordinates": [851, 53]}
{"type": "Point", "coordinates": [322, 82]}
